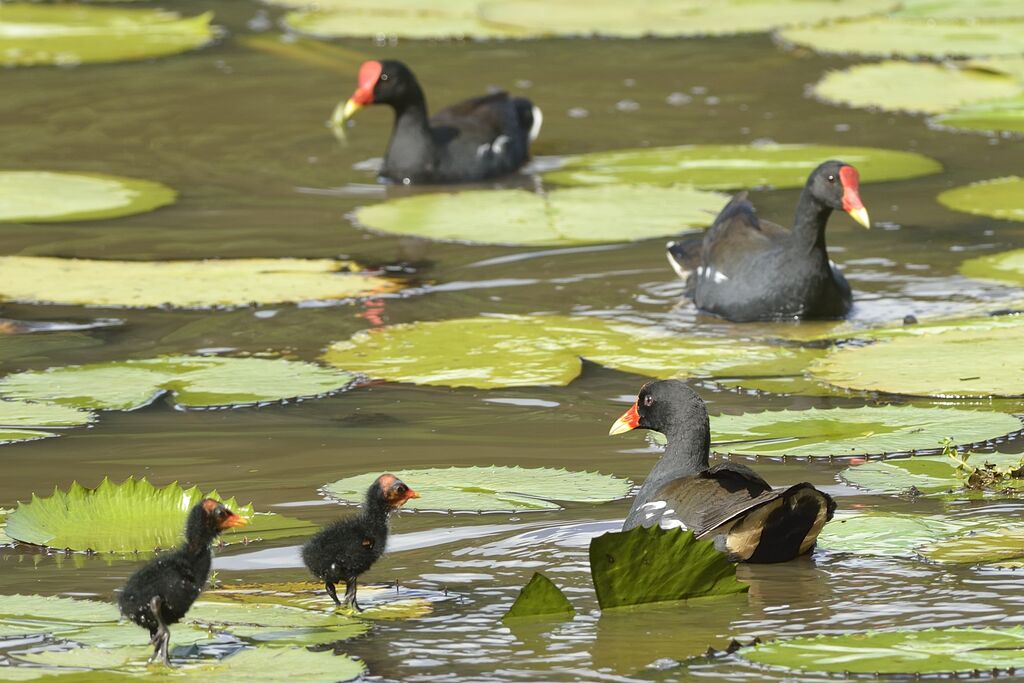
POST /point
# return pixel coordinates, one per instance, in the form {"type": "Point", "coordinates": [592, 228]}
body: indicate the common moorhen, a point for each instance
{"type": "Point", "coordinates": [473, 140]}
{"type": "Point", "coordinates": [729, 503]}
{"type": "Point", "coordinates": [162, 592]}
{"type": "Point", "coordinates": [743, 268]}
{"type": "Point", "coordinates": [347, 548]}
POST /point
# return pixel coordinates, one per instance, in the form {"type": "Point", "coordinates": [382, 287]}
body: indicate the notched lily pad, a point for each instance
{"type": "Point", "coordinates": [929, 475]}
{"type": "Point", "coordinates": [46, 196]}
{"type": "Point", "coordinates": [540, 598]}
{"type": "Point", "coordinates": [491, 489]}
{"type": "Point", "coordinates": [26, 421]}
{"type": "Point", "coordinates": [998, 198]}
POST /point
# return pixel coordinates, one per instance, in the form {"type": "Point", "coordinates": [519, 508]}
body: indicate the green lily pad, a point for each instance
{"type": "Point", "coordinates": [914, 87]}
{"type": "Point", "coordinates": [416, 19]}
{"type": "Point", "coordinates": [276, 624]}
{"type": "Point", "coordinates": [59, 611]}
{"type": "Point", "coordinates": [183, 284]}
{"type": "Point", "coordinates": [936, 39]}
{"type": "Point", "coordinates": [934, 651]}
{"type": "Point", "coordinates": [1007, 267]}
{"type": "Point", "coordinates": [998, 198]}
{"type": "Point", "coordinates": [581, 215]}
{"type": "Point", "coordinates": [960, 9]}
{"type": "Point", "coordinates": [993, 116]}
{"type": "Point", "coordinates": [651, 564]}
{"type": "Point", "coordinates": [540, 598]}
{"type": "Point", "coordinates": [934, 474]}
{"type": "Point", "coordinates": [186, 381]}
{"type": "Point", "coordinates": [378, 602]}
{"type": "Point", "coordinates": [24, 421]}
{"type": "Point", "coordinates": [33, 34]}
{"type": "Point", "coordinates": [729, 167]}
{"type": "Point", "coordinates": [509, 351]}
{"type": "Point", "coordinates": [4, 538]}
{"type": "Point", "coordinates": [998, 546]}
{"type": "Point", "coordinates": [45, 196]}
{"type": "Point", "coordinates": [491, 489]}
{"type": "Point", "coordinates": [125, 633]}
{"type": "Point", "coordinates": [131, 516]}
{"type": "Point", "coordinates": [895, 534]}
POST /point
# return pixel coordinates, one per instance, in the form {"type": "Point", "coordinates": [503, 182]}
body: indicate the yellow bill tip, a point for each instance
{"type": "Point", "coordinates": [861, 216]}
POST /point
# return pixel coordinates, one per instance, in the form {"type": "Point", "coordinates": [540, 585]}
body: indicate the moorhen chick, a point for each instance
{"type": "Point", "coordinates": [347, 548]}
{"type": "Point", "coordinates": [473, 140]}
{"type": "Point", "coordinates": [729, 503]}
{"type": "Point", "coordinates": [162, 592]}
{"type": "Point", "coordinates": [743, 268]}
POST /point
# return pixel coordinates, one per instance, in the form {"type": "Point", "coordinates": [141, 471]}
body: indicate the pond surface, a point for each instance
{"type": "Point", "coordinates": [240, 134]}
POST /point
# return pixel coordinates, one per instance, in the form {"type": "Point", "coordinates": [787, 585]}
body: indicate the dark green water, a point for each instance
{"type": "Point", "coordinates": [239, 133]}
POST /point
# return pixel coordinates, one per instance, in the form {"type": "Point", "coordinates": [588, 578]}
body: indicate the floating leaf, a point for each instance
{"type": "Point", "coordinates": [651, 564]}
{"type": "Point", "coordinates": [934, 651]}
{"type": "Point", "coordinates": [1007, 267]}
{"type": "Point", "coordinates": [582, 215]}
{"type": "Point", "coordinates": [959, 9]}
{"type": "Point", "coordinates": [491, 489]}
{"type": "Point", "coordinates": [934, 474]}
{"type": "Point", "coordinates": [62, 612]}
{"type": "Point", "coordinates": [187, 381]}
{"type": "Point", "coordinates": [378, 602]}
{"type": "Point", "coordinates": [183, 284]}
{"type": "Point", "coordinates": [24, 421]}
{"type": "Point", "coordinates": [42, 34]}
{"type": "Point", "coordinates": [490, 352]}
{"type": "Point", "coordinates": [993, 547]}
{"type": "Point", "coordinates": [540, 598]}
{"type": "Point", "coordinates": [730, 167]}
{"type": "Point", "coordinates": [417, 19]}
{"type": "Point", "coordinates": [999, 198]}
{"type": "Point", "coordinates": [913, 87]}
{"type": "Point", "coordinates": [45, 196]}
{"type": "Point", "coordinates": [992, 116]}
{"type": "Point", "coordinates": [4, 538]}
{"type": "Point", "coordinates": [127, 517]}
{"type": "Point", "coordinates": [894, 534]}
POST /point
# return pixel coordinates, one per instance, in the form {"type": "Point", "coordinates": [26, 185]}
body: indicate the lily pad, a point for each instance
{"type": "Point", "coordinates": [934, 474]}
{"type": "Point", "coordinates": [131, 516]}
{"type": "Point", "coordinates": [998, 546]}
{"type": "Point", "coordinates": [960, 9]}
{"type": "Point", "coordinates": [186, 381]}
{"type": "Point", "coordinates": [582, 215]}
{"type": "Point", "coordinates": [895, 534]}
{"type": "Point", "coordinates": [183, 284]}
{"type": "Point", "coordinates": [540, 598]}
{"type": "Point", "coordinates": [62, 612]}
{"type": "Point", "coordinates": [934, 651]}
{"type": "Point", "coordinates": [491, 489]}
{"type": "Point", "coordinates": [729, 167]}
{"type": "Point", "coordinates": [998, 198]}
{"type": "Point", "coordinates": [24, 421]}
{"type": "Point", "coordinates": [645, 565]}
{"type": "Point", "coordinates": [509, 351]}
{"type": "Point", "coordinates": [416, 19]}
{"type": "Point", "coordinates": [46, 196]}
{"type": "Point", "coordinates": [1007, 267]}
{"type": "Point", "coordinates": [33, 34]}
{"type": "Point", "coordinates": [378, 602]}
{"type": "Point", "coordinates": [992, 116]}
{"type": "Point", "coordinates": [914, 87]}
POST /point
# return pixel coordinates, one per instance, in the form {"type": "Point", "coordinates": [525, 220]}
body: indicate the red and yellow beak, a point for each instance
{"type": "Point", "coordinates": [630, 420]}
{"type": "Point", "coordinates": [852, 204]}
{"type": "Point", "coordinates": [233, 520]}
{"type": "Point", "coordinates": [409, 495]}
{"type": "Point", "coordinates": [369, 72]}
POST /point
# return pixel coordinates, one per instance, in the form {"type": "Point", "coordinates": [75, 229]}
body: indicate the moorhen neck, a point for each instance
{"type": "Point", "coordinates": [346, 549]}
{"type": "Point", "coordinates": [470, 141]}
{"type": "Point", "coordinates": [747, 269]}
{"type": "Point", "coordinates": [729, 503]}
{"type": "Point", "coordinates": [162, 592]}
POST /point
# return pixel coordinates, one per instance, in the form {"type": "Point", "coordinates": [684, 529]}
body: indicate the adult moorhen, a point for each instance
{"type": "Point", "coordinates": [747, 269]}
{"type": "Point", "coordinates": [347, 548]}
{"type": "Point", "coordinates": [473, 140]}
{"type": "Point", "coordinates": [729, 502]}
{"type": "Point", "coordinates": [163, 591]}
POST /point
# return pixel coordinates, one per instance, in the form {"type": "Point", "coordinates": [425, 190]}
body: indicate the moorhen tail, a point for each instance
{"type": "Point", "coordinates": [473, 140]}
{"type": "Point", "coordinates": [747, 269]}
{"type": "Point", "coordinates": [729, 503]}
{"type": "Point", "coordinates": [346, 549]}
{"type": "Point", "coordinates": [162, 592]}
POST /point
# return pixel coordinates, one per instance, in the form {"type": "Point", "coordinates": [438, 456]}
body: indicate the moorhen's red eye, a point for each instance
{"type": "Point", "coordinates": [648, 401]}
{"type": "Point", "coordinates": [831, 178]}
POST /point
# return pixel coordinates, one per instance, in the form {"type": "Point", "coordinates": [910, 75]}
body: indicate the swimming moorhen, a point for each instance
{"type": "Point", "coordinates": [162, 592]}
{"type": "Point", "coordinates": [347, 548]}
{"type": "Point", "coordinates": [743, 268]}
{"type": "Point", "coordinates": [729, 503]}
{"type": "Point", "coordinates": [473, 140]}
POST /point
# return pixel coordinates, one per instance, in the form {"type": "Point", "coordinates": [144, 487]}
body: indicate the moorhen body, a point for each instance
{"type": "Point", "coordinates": [729, 503]}
{"type": "Point", "coordinates": [162, 592]}
{"type": "Point", "coordinates": [473, 140]}
{"type": "Point", "coordinates": [747, 269]}
{"type": "Point", "coordinates": [344, 550]}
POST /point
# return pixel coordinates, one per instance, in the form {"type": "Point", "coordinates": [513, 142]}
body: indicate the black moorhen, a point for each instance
{"type": "Point", "coordinates": [743, 268]}
{"type": "Point", "coordinates": [162, 592]}
{"type": "Point", "coordinates": [729, 502]}
{"type": "Point", "coordinates": [347, 548]}
{"type": "Point", "coordinates": [473, 140]}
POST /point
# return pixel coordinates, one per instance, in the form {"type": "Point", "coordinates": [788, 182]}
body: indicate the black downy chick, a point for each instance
{"type": "Point", "coordinates": [346, 549]}
{"type": "Point", "coordinates": [162, 592]}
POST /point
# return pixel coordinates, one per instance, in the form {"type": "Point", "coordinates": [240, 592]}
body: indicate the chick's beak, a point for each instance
{"type": "Point", "coordinates": [412, 494]}
{"type": "Point", "coordinates": [233, 520]}
{"type": "Point", "coordinates": [630, 420]}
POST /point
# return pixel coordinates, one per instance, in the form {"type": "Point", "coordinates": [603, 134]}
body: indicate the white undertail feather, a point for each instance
{"type": "Point", "coordinates": [683, 273]}
{"type": "Point", "coordinates": [538, 119]}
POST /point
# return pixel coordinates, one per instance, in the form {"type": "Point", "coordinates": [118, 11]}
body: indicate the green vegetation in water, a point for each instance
{"type": "Point", "coordinates": [989, 117]}
{"type": "Point", "coordinates": [46, 196]}
{"type": "Point", "coordinates": [1001, 198]}
{"type": "Point", "coordinates": [540, 598]}
{"type": "Point", "coordinates": [379, 602]}
{"type": "Point", "coordinates": [984, 475]}
{"type": "Point", "coordinates": [952, 474]}
{"type": "Point", "coordinates": [27, 421]}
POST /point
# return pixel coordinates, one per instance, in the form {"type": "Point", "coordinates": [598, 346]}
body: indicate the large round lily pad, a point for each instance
{"type": "Point", "coordinates": [914, 87]}
{"type": "Point", "coordinates": [491, 489]}
{"type": "Point", "coordinates": [867, 430]}
{"type": "Point", "coordinates": [25, 421]}
{"type": "Point", "coordinates": [1007, 267]}
{"type": "Point", "coordinates": [1000, 546]}
{"type": "Point", "coordinates": [895, 534]}
{"type": "Point", "coordinates": [34, 34]}
{"type": "Point", "coordinates": [378, 602]}
{"type": "Point", "coordinates": [416, 19]}
{"type": "Point", "coordinates": [490, 352]}
{"type": "Point", "coordinates": [183, 284]}
{"type": "Point", "coordinates": [724, 167]}
{"type": "Point", "coordinates": [935, 651]}
{"type": "Point", "coordinates": [188, 382]}
{"type": "Point", "coordinates": [584, 215]}
{"type": "Point", "coordinates": [929, 475]}
{"type": "Point", "coordinates": [46, 196]}
{"type": "Point", "coordinates": [991, 116]}
{"type": "Point", "coordinates": [999, 198]}
{"type": "Point", "coordinates": [960, 9]}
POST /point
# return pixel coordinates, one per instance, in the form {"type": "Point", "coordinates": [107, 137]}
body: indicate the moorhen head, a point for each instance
{"type": "Point", "coordinates": [382, 81]}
